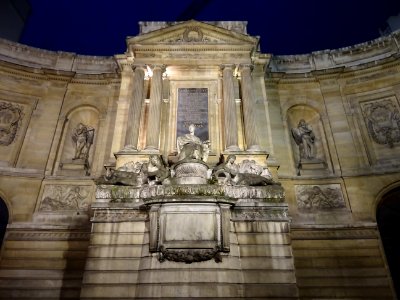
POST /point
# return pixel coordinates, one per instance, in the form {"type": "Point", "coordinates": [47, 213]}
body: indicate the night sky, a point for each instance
{"type": "Point", "coordinates": [285, 26]}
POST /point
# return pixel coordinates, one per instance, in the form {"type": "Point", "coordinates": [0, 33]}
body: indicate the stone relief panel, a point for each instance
{"type": "Point", "coordinates": [193, 109]}
{"type": "Point", "coordinates": [382, 120]}
{"type": "Point", "coordinates": [11, 115]}
{"type": "Point", "coordinates": [319, 197]}
{"type": "Point", "coordinates": [57, 197]}
{"type": "Point", "coordinates": [15, 114]}
{"type": "Point", "coordinates": [188, 234]}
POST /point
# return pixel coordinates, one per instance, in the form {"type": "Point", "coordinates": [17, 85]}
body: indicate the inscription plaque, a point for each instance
{"type": "Point", "coordinates": [193, 109]}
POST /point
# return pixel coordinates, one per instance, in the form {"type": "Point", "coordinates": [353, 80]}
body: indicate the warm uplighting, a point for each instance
{"type": "Point", "coordinates": [149, 72]}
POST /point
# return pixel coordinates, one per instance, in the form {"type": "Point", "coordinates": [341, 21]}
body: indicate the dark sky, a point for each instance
{"type": "Point", "coordinates": [99, 27]}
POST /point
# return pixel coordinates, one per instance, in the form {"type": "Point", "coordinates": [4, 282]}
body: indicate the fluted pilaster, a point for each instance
{"type": "Point", "coordinates": [153, 125]}
{"type": "Point", "coordinates": [230, 122]}
{"type": "Point", "coordinates": [248, 109]}
{"type": "Point", "coordinates": [135, 108]}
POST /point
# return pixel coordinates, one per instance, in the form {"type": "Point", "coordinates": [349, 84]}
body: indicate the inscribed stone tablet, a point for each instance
{"type": "Point", "coordinates": [193, 109]}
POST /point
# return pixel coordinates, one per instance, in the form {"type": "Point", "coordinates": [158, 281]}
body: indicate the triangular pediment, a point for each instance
{"type": "Point", "coordinates": [192, 33]}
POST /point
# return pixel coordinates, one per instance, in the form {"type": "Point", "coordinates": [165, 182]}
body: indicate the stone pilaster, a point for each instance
{"type": "Point", "coordinates": [135, 108]}
{"type": "Point", "coordinates": [248, 115]}
{"type": "Point", "coordinates": [231, 134]}
{"type": "Point", "coordinates": [153, 125]}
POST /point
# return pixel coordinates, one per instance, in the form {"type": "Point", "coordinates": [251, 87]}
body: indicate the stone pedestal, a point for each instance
{"type": "Point", "coordinates": [190, 241]}
{"type": "Point", "coordinates": [74, 167]}
{"type": "Point", "coordinates": [312, 167]}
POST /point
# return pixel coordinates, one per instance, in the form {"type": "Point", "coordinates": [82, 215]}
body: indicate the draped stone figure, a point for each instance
{"type": "Point", "coordinates": [190, 146]}
{"type": "Point", "coordinates": [82, 137]}
{"type": "Point", "coordinates": [304, 138]}
{"type": "Point", "coordinates": [248, 172]}
{"type": "Point", "coordinates": [157, 171]}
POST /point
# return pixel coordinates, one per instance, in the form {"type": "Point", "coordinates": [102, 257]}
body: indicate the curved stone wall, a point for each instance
{"type": "Point", "coordinates": [349, 98]}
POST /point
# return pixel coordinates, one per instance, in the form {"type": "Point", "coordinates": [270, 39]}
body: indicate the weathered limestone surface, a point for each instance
{"type": "Point", "coordinates": [331, 248]}
{"type": "Point", "coordinates": [340, 262]}
{"type": "Point", "coordinates": [46, 262]}
{"type": "Point", "coordinates": [259, 262]}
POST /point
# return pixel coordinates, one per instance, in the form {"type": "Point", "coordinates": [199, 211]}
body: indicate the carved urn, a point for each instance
{"type": "Point", "coordinates": [191, 172]}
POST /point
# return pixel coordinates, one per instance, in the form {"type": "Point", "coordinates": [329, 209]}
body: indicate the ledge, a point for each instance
{"type": "Point", "coordinates": [189, 193]}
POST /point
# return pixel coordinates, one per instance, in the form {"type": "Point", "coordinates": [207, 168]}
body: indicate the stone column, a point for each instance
{"type": "Point", "coordinates": [135, 109]}
{"type": "Point", "coordinates": [248, 114]}
{"type": "Point", "coordinates": [230, 122]}
{"type": "Point", "coordinates": [153, 124]}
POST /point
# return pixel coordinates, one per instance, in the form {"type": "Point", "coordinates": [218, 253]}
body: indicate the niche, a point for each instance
{"type": "Point", "coordinates": [307, 138]}
{"type": "Point", "coordinates": [77, 143]}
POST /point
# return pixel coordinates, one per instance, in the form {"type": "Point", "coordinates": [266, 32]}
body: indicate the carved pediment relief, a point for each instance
{"type": "Point", "coordinates": [192, 33]}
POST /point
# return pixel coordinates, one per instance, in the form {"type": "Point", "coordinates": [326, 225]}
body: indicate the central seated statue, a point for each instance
{"type": "Point", "coordinates": [190, 167]}
{"type": "Point", "coordinates": [191, 147]}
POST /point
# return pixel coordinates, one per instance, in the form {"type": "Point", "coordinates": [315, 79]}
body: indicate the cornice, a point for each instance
{"type": "Point", "coordinates": [388, 63]}
{"type": "Point", "coordinates": [44, 74]}
{"type": "Point", "coordinates": [342, 72]}
{"type": "Point", "coordinates": [192, 48]}
{"type": "Point", "coordinates": [334, 233]}
{"type": "Point", "coordinates": [35, 58]}
{"type": "Point", "coordinates": [360, 55]}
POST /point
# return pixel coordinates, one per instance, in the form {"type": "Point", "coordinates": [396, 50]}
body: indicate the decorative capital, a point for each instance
{"type": "Point", "coordinates": [245, 68]}
{"type": "Point", "coordinates": [139, 67]}
{"type": "Point", "coordinates": [126, 67]}
{"type": "Point", "coordinates": [227, 66]}
{"type": "Point", "coordinates": [160, 67]}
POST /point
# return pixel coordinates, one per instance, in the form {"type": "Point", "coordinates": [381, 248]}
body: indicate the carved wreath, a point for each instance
{"type": "Point", "coordinates": [383, 122]}
{"type": "Point", "coordinates": [10, 117]}
{"type": "Point", "coordinates": [187, 37]}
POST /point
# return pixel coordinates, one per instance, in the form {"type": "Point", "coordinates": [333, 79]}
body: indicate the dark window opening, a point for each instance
{"type": "Point", "coordinates": [3, 220]}
{"type": "Point", "coordinates": [388, 218]}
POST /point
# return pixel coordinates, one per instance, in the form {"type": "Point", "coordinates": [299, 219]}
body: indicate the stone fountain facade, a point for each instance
{"type": "Point", "coordinates": [195, 166]}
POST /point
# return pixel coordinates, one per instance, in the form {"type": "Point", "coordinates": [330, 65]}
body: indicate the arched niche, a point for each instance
{"type": "Point", "coordinates": [388, 219]}
{"type": "Point", "coordinates": [317, 161]}
{"type": "Point", "coordinates": [78, 142]}
{"type": "Point", "coordinates": [4, 217]}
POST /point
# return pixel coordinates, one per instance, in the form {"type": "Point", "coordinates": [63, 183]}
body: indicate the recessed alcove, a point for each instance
{"type": "Point", "coordinates": [388, 219]}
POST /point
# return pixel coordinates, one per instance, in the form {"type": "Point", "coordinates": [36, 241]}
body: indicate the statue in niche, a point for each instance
{"type": "Point", "coordinates": [248, 172]}
{"type": "Point", "coordinates": [304, 138]}
{"type": "Point", "coordinates": [82, 137]}
{"type": "Point", "coordinates": [189, 146]}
